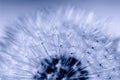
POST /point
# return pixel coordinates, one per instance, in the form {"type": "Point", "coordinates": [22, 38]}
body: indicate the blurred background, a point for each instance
{"type": "Point", "coordinates": [108, 9]}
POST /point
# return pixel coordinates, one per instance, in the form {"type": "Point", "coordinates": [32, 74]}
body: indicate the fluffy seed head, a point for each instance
{"type": "Point", "coordinates": [59, 44]}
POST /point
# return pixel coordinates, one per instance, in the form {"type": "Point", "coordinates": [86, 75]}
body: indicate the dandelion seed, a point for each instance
{"type": "Point", "coordinates": [51, 45]}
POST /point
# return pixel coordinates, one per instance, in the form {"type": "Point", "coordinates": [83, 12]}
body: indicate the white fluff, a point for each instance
{"type": "Point", "coordinates": [58, 31]}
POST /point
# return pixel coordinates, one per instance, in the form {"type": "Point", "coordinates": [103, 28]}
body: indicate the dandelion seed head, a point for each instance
{"type": "Point", "coordinates": [62, 68]}
{"type": "Point", "coordinates": [59, 44]}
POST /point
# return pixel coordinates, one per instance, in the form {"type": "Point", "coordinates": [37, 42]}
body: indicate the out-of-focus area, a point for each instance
{"type": "Point", "coordinates": [107, 9]}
